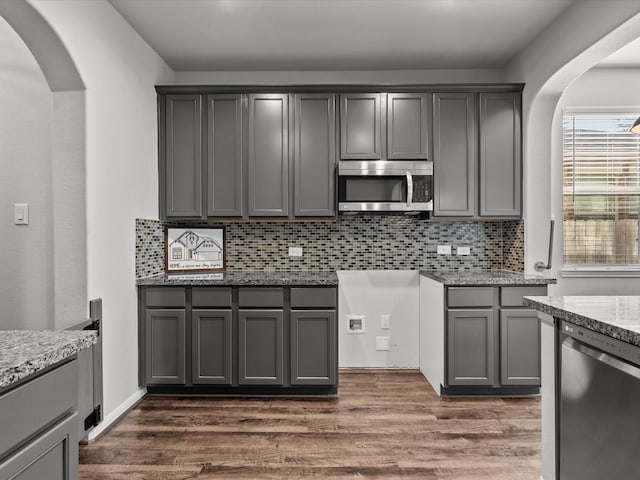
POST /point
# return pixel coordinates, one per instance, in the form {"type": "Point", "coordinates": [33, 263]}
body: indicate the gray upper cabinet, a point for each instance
{"type": "Point", "coordinates": [454, 154]}
{"type": "Point", "coordinates": [500, 154]}
{"type": "Point", "coordinates": [181, 156]}
{"type": "Point", "coordinates": [314, 155]}
{"type": "Point", "coordinates": [360, 126]}
{"type": "Point", "coordinates": [407, 126]}
{"type": "Point", "coordinates": [268, 155]}
{"type": "Point", "coordinates": [224, 156]}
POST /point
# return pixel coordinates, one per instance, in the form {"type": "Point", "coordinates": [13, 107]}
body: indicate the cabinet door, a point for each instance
{"type": "Point", "coordinates": [454, 155]}
{"type": "Point", "coordinates": [500, 155]}
{"type": "Point", "coordinates": [224, 155]}
{"type": "Point", "coordinates": [519, 347]}
{"type": "Point", "coordinates": [407, 126]}
{"type": "Point", "coordinates": [470, 347]}
{"type": "Point", "coordinates": [313, 347]}
{"type": "Point", "coordinates": [315, 153]}
{"type": "Point", "coordinates": [268, 155]}
{"type": "Point", "coordinates": [211, 333]}
{"type": "Point", "coordinates": [360, 126]}
{"type": "Point", "coordinates": [261, 347]}
{"type": "Point", "coordinates": [165, 346]}
{"type": "Point", "coordinates": [182, 162]}
{"type": "Point", "coordinates": [52, 455]}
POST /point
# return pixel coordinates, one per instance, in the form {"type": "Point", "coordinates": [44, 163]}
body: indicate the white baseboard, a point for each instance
{"type": "Point", "coordinates": [108, 421]}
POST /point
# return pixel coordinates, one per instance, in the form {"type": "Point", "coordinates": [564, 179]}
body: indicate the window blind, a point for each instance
{"type": "Point", "coordinates": [601, 189]}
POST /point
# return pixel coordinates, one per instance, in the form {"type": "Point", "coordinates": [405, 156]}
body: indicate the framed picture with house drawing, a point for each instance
{"type": "Point", "coordinates": [190, 249]}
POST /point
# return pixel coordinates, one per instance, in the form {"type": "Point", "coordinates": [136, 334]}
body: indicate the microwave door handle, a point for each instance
{"type": "Point", "coordinates": [409, 189]}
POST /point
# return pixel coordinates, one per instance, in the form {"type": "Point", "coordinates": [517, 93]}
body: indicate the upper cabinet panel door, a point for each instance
{"type": "Point", "coordinates": [224, 155]}
{"type": "Point", "coordinates": [268, 155]}
{"type": "Point", "coordinates": [360, 126]}
{"type": "Point", "coordinates": [314, 154]}
{"type": "Point", "coordinates": [407, 126]}
{"type": "Point", "coordinates": [454, 154]}
{"type": "Point", "coordinates": [500, 155]}
{"type": "Point", "coordinates": [182, 156]}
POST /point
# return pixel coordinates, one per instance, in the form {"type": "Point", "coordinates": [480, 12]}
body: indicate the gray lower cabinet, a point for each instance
{"type": "Point", "coordinates": [313, 347]}
{"type": "Point", "coordinates": [471, 347]}
{"type": "Point", "coordinates": [519, 347]}
{"type": "Point", "coordinates": [39, 434]}
{"type": "Point", "coordinates": [212, 347]}
{"type": "Point", "coordinates": [492, 341]}
{"type": "Point", "coordinates": [261, 347]}
{"type": "Point", "coordinates": [165, 333]}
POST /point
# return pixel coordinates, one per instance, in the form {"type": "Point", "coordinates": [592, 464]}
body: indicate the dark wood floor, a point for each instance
{"type": "Point", "coordinates": [384, 425]}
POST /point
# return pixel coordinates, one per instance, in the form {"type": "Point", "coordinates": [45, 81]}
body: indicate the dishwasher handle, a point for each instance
{"type": "Point", "coordinates": [600, 356]}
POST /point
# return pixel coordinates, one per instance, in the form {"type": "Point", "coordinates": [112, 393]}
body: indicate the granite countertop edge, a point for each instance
{"type": "Point", "coordinates": [603, 327]}
{"type": "Point", "coordinates": [246, 278]}
{"type": "Point", "coordinates": [486, 278]}
{"type": "Point", "coordinates": [27, 352]}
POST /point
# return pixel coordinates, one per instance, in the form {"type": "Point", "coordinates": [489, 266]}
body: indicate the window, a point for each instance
{"type": "Point", "coordinates": [601, 189]}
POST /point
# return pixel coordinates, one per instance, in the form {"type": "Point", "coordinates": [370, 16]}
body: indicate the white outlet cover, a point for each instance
{"type": "Point", "coordinates": [385, 321]}
{"type": "Point", "coordinates": [382, 343]}
{"type": "Point", "coordinates": [444, 249]}
{"type": "Point", "coordinates": [463, 250]}
{"type": "Point", "coordinates": [295, 251]}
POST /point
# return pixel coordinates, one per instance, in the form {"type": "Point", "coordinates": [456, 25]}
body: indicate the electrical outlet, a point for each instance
{"type": "Point", "coordinates": [444, 249]}
{"type": "Point", "coordinates": [385, 321]}
{"type": "Point", "coordinates": [295, 251]}
{"type": "Point", "coordinates": [382, 343]}
{"type": "Point", "coordinates": [463, 250]}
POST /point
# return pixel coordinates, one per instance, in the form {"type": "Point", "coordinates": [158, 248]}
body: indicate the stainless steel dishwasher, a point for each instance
{"type": "Point", "coordinates": [599, 411]}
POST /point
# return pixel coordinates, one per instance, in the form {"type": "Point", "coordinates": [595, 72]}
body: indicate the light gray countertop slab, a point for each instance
{"type": "Point", "coordinates": [25, 352]}
{"type": "Point", "coordinates": [496, 278]}
{"type": "Point", "coordinates": [615, 316]}
{"type": "Point", "coordinates": [237, 279]}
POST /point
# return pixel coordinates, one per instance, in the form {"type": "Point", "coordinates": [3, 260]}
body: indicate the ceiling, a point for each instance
{"type": "Point", "coordinates": [238, 35]}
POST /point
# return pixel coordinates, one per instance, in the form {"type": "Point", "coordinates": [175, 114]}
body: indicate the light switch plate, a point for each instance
{"type": "Point", "coordinates": [444, 249]}
{"type": "Point", "coordinates": [295, 251]}
{"type": "Point", "coordinates": [21, 213]}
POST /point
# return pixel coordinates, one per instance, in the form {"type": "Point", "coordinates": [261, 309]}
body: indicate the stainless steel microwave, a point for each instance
{"type": "Point", "coordinates": [385, 186]}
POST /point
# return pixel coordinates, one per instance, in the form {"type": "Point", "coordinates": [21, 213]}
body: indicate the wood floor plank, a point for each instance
{"type": "Point", "coordinates": [383, 425]}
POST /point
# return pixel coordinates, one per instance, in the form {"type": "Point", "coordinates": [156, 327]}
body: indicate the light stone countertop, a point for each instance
{"type": "Point", "coordinates": [497, 278]}
{"type": "Point", "coordinates": [25, 352]}
{"type": "Point", "coordinates": [615, 316]}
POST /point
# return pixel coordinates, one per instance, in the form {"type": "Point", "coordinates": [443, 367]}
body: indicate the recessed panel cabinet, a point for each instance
{"type": "Point", "coordinates": [238, 339]}
{"type": "Point", "coordinates": [470, 347]}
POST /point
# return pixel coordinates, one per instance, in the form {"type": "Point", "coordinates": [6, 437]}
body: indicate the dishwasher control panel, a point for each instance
{"type": "Point", "coordinates": [613, 346]}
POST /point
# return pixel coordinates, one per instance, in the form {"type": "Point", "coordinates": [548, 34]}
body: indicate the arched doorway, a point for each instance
{"type": "Point", "coordinates": [49, 288]}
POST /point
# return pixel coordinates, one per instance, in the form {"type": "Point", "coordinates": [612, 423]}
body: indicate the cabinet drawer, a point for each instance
{"type": "Point", "coordinates": [261, 297]}
{"type": "Point", "coordinates": [211, 297]}
{"type": "Point", "coordinates": [470, 296]}
{"type": "Point", "coordinates": [512, 296]}
{"type": "Point", "coordinates": [28, 408]}
{"type": "Point", "coordinates": [165, 297]}
{"type": "Point", "coordinates": [313, 298]}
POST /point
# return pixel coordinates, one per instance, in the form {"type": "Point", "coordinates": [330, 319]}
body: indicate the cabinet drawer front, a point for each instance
{"type": "Point", "coordinates": [211, 297]}
{"type": "Point", "coordinates": [313, 298]}
{"type": "Point", "coordinates": [165, 297]}
{"type": "Point", "coordinates": [512, 296]}
{"type": "Point", "coordinates": [261, 297]}
{"type": "Point", "coordinates": [470, 296]}
{"type": "Point", "coordinates": [26, 409]}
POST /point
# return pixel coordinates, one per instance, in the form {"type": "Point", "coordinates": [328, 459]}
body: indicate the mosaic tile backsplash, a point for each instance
{"type": "Point", "coordinates": [373, 242]}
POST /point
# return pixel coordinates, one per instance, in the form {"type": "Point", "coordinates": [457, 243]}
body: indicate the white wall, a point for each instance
{"type": "Point", "coordinates": [26, 288]}
{"type": "Point", "coordinates": [597, 88]}
{"type": "Point", "coordinates": [373, 293]}
{"type": "Point", "coordinates": [119, 71]}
